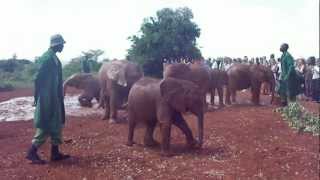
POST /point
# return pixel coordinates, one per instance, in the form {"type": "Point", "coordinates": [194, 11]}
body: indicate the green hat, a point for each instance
{"type": "Point", "coordinates": [56, 39]}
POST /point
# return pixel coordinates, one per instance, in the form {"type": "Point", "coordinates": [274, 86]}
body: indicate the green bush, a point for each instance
{"type": "Point", "coordinates": [21, 73]}
{"type": "Point", "coordinates": [299, 118]}
{"type": "Point", "coordinates": [21, 76]}
{"type": "Point", "coordinates": [74, 66]}
{"type": "Point", "coordinates": [4, 86]}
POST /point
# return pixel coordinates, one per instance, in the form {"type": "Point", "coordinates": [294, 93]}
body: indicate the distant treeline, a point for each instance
{"type": "Point", "coordinates": [10, 65]}
{"type": "Point", "coordinates": [18, 73]}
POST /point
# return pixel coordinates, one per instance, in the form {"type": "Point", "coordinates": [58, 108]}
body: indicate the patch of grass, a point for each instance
{"type": "Point", "coordinates": [299, 118]}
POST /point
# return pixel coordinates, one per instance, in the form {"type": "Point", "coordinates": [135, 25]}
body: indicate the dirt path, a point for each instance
{"type": "Point", "coordinates": [241, 142]}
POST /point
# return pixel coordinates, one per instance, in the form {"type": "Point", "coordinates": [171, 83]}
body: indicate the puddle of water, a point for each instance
{"type": "Point", "coordinates": [21, 108]}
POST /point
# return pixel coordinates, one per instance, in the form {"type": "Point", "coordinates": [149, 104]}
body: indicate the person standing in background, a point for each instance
{"type": "Point", "coordinates": [315, 82]}
{"type": "Point", "coordinates": [49, 116]}
{"type": "Point", "coordinates": [289, 83]}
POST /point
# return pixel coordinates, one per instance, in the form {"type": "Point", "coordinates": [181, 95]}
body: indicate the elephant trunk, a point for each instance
{"type": "Point", "coordinates": [200, 128]}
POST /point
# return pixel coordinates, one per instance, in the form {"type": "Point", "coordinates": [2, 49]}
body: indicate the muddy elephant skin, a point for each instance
{"type": "Point", "coordinates": [87, 82]}
{"type": "Point", "coordinates": [242, 76]}
{"type": "Point", "coordinates": [154, 101]}
{"type": "Point", "coordinates": [197, 72]}
{"type": "Point", "coordinates": [116, 79]}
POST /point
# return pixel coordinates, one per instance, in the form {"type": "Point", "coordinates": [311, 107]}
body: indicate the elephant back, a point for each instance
{"type": "Point", "coordinates": [179, 70]}
{"type": "Point", "coordinates": [201, 75]}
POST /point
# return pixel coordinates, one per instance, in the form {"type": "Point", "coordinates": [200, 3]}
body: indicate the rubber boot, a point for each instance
{"type": "Point", "coordinates": [56, 155]}
{"type": "Point", "coordinates": [33, 156]}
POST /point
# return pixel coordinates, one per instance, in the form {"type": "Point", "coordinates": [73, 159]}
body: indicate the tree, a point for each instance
{"type": "Point", "coordinates": [75, 65]}
{"type": "Point", "coordinates": [93, 54]}
{"type": "Point", "coordinates": [90, 58]}
{"type": "Point", "coordinates": [169, 35]}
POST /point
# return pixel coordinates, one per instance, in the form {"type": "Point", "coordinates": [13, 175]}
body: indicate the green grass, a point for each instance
{"type": "Point", "coordinates": [299, 118]}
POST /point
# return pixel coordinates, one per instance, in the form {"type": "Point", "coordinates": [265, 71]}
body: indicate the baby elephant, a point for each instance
{"type": "Point", "coordinates": [89, 83]}
{"type": "Point", "coordinates": [153, 101]}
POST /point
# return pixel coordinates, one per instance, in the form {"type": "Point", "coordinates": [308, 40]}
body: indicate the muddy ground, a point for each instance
{"type": "Point", "coordinates": [241, 142]}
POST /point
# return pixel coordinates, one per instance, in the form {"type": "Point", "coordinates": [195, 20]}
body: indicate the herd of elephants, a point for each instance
{"type": "Point", "coordinates": [152, 101]}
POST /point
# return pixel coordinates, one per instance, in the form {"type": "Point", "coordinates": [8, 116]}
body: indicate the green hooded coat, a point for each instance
{"type": "Point", "coordinates": [290, 83]}
{"type": "Point", "coordinates": [50, 113]}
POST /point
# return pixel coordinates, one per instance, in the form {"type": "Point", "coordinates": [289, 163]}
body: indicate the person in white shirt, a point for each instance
{"type": "Point", "coordinates": [315, 82]}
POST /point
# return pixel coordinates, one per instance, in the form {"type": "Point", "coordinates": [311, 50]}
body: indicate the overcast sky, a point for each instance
{"type": "Point", "coordinates": [228, 27]}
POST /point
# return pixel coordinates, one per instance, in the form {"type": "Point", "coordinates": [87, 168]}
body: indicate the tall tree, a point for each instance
{"type": "Point", "coordinates": [170, 35]}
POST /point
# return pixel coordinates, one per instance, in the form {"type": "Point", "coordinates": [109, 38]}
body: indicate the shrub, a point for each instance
{"type": "Point", "coordinates": [4, 86]}
{"type": "Point", "coordinates": [299, 118]}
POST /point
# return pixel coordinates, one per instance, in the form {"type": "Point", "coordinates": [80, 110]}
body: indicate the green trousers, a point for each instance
{"type": "Point", "coordinates": [41, 136]}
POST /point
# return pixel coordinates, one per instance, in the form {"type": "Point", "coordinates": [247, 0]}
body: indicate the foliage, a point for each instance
{"type": "Point", "coordinates": [5, 86]}
{"type": "Point", "coordinates": [169, 35]}
{"type": "Point", "coordinates": [299, 118]}
{"type": "Point", "coordinates": [11, 65]}
{"type": "Point", "coordinates": [74, 66]}
{"type": "Point", "coordinates": [16, 73]}
{"type": "Point", "coordinates": [93, 54]}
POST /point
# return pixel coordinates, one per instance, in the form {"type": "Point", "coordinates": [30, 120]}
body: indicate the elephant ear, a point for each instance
{"type": "Point", "coordinates": [172, 91]}
{"type": "Point", "coordinates": [116, 72]}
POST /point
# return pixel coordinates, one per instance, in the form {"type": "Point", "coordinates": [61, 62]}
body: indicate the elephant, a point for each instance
{"type": "Point", "coordinates": [89, 83]}
{"type": "Point", "coordinates": [116, 79]}
{"type": "Point", "coordinates": [153, 101]}
{"type": "Point", "coordinates": [243, 76]}
{"type": "Point", "coordinates": [197, 72]}
{"type": "Point", "coordinates": [219, 79]}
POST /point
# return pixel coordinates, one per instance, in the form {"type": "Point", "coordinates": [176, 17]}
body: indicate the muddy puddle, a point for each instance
{"type": "Point", "coordinates": [21, 108]}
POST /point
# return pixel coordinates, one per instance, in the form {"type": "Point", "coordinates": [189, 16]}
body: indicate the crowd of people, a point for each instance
{"type": "Point", "coordinates": [306, 69]}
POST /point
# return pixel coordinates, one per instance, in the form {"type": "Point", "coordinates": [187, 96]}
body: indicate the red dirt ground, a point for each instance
{"type": "Point", "coordinates": [241, 142]}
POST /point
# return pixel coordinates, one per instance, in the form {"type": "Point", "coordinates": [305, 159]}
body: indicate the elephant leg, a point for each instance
{"type": "Point", "coordinates": [97, 97]}
{"type": "Point", "coordinates": [180, 122]}
{"type": "Point", "coordinates": [113, 107]}
{"type": "Point", "coordinates": [106, 102]}
{"type": "Point", "coordinates": [212, 93]}
{"type": "Point", "coordinates": [228, 96]}
{"type": "Point", "coordinates": [205, 104]}
{"type": "Point", "coordinates": [233, 96]}
{"type": "Point", "coordinates": [220, 93]}
{"type": "Point", "coordinates": [132, 125]}
{"type": "Point", "coordinates": [256, 93]}
{"type": "Point", "coordinates": [148, 138]}
{"type": "Point", "coordinates": [165, 129]}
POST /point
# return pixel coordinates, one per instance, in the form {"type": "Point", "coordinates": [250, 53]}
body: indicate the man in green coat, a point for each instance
{"type": "Point", "coordinates": [49, 116]}
{"type": "Point", "coordinates": [289, 82]}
